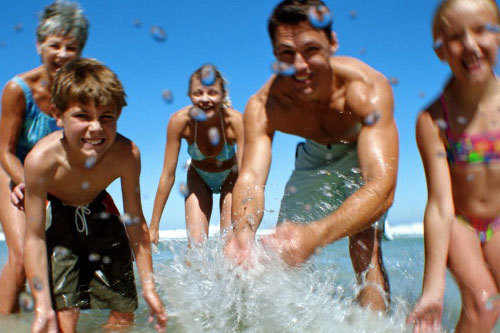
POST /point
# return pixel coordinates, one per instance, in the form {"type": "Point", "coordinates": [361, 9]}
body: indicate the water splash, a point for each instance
{"type": "Point", "coordinates": [206, 293]}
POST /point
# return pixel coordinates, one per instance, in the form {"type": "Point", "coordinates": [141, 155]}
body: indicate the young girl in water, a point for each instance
{"type": "Point", "coordinates": [459, 140]}
{"type": "Point", "coordinates": [211, 128]}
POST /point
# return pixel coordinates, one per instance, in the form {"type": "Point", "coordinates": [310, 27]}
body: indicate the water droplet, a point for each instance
{"type": "Point", "coordinates": [183, 188]}
{"type": "Point", "coordinates": [356, 171]}
{"type": "Point", "coordinates": [492, 302]}
{"type": "Point", "coordinates": [462, 120]}
{"type": "Point", "coordinates": [104, 215]}
{"type": "Point", "coordinates": [106, 260]}
{"type": "Point", "coordinates": [372, 118]}
{"type": "Point", "coordinates": [213, 136]}
{"type": "Point", "coordinates": [167, 96]}
{"type": "Point", "coordinates": [26, 302]}
{"type": "Point", "coordinates": [437, 43]}
{"type": "Point", "coordinates": [307, 207]}
{"type": "Point", "coordinates": [283, 68]}
{"type": "Point", "coordinates": [137, 23]}
{"type": "Point", "coordinates": [130, 220]}
{"type": "Point", "coordinates": [291, 189]}
{"type": "Point", "coordinates": [85, 185]}
{"type": "Point", "coordinates": [197, 114]}
{"type": "Point", "coordinates": [18, 27]}
{"type": "Point", "coordinates": [319, 16]}
{"type": "Point", "coordinates": [37, 283]}
{"type": "Point", "coordinates": [93, 257]}
{"type": "Point", "coordinates": [441, 123]}
{"type": "Point", "coordinates": [470, 177]}
{"type": "Point", "coordinates": [328, 156]}
{"type": "Point", "coordinates": [207, 74]}
{"type": "Point", "coordinates": [362, 51]}
{"type": "Point", "coordinates": [60, 251]}
{"type": "Point", "coordinates": [234, 168]}
{"type": "Point", "coordinates": [158, 33]}
{"type": "Point", "coordinates": [492, 27]}
{"type": "Point", "coordinates": [421, 94]}
{"type": "Point", "coordinates": [394, 81]}
{"type": "Point", "coordinates": [2, 45]}
{"type": "Point", "coordinates": [353, 14]}
{"type": "Point", "coordinates": [441, 154]}
{"type": "Point", "coordinates": [90, 162]}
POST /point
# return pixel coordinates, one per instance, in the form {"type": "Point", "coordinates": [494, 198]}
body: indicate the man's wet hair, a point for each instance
{"type": "Point", "coordinates": [294, 12]}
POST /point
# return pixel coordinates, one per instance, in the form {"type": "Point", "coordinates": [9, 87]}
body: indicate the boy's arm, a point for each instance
{"type": "Point", "coordinates": [138, 234]}
{"type": "Point", "coordinates": [167, 178]}
{"type": "Point", "coordinates": [438, 218]}
{"type": "Point", "coordinates": [35, 248]}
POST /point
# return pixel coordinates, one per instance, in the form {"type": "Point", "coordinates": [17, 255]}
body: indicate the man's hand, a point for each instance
{"type": "Point", "coordinates": [239, 248]}
{"type": "Point", "coordinates": [157, 310]}
{"type": "Point", "coordinates": [293, 241]}
{"type": "Point", "coordinates": [17, 196]}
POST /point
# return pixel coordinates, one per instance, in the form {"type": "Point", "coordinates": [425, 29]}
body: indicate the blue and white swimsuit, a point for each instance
{"type": "Point", "coordinates": [214, 180]}
{"type": "Point", "coordinates": [36, 124]}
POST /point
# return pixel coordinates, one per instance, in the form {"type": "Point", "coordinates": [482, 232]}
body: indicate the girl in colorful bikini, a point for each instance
{"type": "Point", "coordinates": [211, 128]}
{"type": "Point", "coordinates": [26, 118]}
{"type": "Point", "coordinates": [459, 141]}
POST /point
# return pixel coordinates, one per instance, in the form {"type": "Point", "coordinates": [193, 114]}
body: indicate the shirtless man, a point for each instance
{"type": "Point", "coordinates": [344, 110]}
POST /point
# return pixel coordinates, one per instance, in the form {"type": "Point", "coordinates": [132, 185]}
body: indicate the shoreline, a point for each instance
{"type": "Point", "coordinates": [412, 230]}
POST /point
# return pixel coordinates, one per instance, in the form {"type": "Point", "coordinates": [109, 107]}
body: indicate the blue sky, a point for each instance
{"type": "Point", "coordinates": [393, 36]}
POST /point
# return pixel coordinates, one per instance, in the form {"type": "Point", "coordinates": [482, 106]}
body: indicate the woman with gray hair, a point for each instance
{"type": "Point", "coordinates": [26, 117]}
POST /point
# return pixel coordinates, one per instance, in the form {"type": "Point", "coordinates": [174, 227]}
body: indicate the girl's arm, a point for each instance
{"type": "Point", "coordinates": [438, 218]}
{"type": "Point", "coordinates": [167, 178]}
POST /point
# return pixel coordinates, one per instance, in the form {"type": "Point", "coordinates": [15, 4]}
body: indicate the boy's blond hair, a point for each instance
{"type": "Point", "coordinates": [84, 80]}
{"type": "Point", "coordinates": [438, 19]}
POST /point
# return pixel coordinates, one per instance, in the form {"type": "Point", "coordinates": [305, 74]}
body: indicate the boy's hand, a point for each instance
{"type": "Point", "coordinates": [44, 321]}
{"type": "Point", "coordinates": [154, 235]}
{"type": "Point", "coordinates": [17, 196]}
{"type": "Point", "coordinates": [157, 309]}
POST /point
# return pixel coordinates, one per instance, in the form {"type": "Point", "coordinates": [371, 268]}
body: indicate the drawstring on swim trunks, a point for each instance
{"type": "Point", "coordinates": [80, 213]}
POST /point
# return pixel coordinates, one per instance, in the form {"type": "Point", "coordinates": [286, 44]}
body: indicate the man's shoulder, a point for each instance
{"type": "Point", "coordinates": [351, 70]}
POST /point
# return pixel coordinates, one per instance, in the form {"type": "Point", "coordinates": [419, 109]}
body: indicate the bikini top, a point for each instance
{"type": "Point", "coordinates": [470, 148]}
{"type": "Point", "coordinates": [36, 124]}
{"type": "Point", "coordinates": [225, 154]}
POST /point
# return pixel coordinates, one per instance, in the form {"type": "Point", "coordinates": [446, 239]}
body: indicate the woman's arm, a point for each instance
{"type": "Point", "coordinates": [11, 121]}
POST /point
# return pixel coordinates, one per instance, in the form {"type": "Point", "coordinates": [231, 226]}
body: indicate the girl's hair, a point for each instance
{"type": "Point", "coordinates": [444, 5]}
{"type": "Point", "coordinates": [63, 18]}
{"type": "Point", "coordinates": [218, 78]}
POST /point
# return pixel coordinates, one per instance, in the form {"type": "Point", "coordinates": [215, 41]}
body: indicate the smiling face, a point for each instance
{"type": "Point", "coordinates": [469, 44]}
{"type": "Point", "coordinates": [207, 98]}
{"type": "Point", "coordinates": [56, 51]}
{"type": "Point", "coordinates": [309, 51]}
{"type": "Point", "coordinates": [89, 130]}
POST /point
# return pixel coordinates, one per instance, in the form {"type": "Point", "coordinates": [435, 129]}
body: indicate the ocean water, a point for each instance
{"type": "Point", "coordinates": [204, 293]}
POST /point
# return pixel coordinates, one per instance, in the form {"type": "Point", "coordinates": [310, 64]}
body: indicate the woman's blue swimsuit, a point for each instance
{"type": "Point", "coordinates": [36, 124]}
{"type": "Point", "coordinates": [214, 180]}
